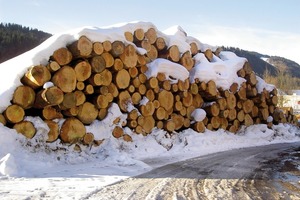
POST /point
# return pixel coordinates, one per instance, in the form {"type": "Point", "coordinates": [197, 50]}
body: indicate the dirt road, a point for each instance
{"type": "Point", "coordinates": [266, 172]}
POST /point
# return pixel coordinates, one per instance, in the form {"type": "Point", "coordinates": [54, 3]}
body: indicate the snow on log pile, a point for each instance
{"type": "Point", "coordinates": [169, 81]}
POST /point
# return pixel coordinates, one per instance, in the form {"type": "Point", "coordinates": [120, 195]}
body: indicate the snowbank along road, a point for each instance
{"type": "Point", "coordinates": [265, 172]}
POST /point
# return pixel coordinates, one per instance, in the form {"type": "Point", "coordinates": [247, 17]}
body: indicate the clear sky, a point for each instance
{"type": "Point", "coordinates": [266, 26]}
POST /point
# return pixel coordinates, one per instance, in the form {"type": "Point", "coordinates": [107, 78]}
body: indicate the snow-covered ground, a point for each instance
{"type": "Point", "coordinates": [36, 169]}
{"type": "Point", "coordinates": [29, 169]}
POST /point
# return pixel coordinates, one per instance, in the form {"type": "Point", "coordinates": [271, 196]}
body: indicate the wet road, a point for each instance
{"type": "Point", "coordinates": [265, 172]}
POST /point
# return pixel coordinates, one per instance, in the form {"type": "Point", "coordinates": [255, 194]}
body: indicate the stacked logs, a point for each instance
{"type": "Point", "coordinates": [88, 77]}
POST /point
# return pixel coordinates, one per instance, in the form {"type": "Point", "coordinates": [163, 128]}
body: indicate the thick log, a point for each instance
{"type": "Point", "coordinates": [194, 48]}
{"type": "Point", "coordinates": [117, 48]}
{"type": "Point", "coordinates": [212, 110]}
{"type": "Point", "coordinates": [133, 72]}
{"type": "Point", "coordinates": [83, 70]}
{"type": "Point", "coordinates": [178, 121]}
{"type": "Point", "coordinates": [241, 116]}
{"type": "Point", "coordinates": [118, 132]}
{"type": "Point", "coordinates": [53, 130]}
{"type": "Point", "coordinates": [49, 97]}
{"type": "Point", "coordinates": [247, 68]}
{"type": "Point", "coordinates": [123, 100]}
{"type": "Point", "coordinates": [122, 79]}
{"type": "Point", "coordinates": [160, 113]}
{"type": "Point", "coordinates": [109, 59]}
{"type": "Point", "coordinates": [82, 48]}
{"type": "Point", "coordinates": [160, 44]}
{"type": "Point", "coordinates": [87, 113]}
{"type": "Point", "coordinates": [107, 46]}
{"type": "Point", "coordinates": [98, 48]}
{"type": "Point", "coordinates": [102, 113]}
{"type": "Point", "coordinates": [231, 101]}
{"type": "Point", "coordinates": [14, 114]}
{"type": "Point", "coordinates": [88, 138]}
{"type": "Point", "coordinates": [65, 79]}
{"type": "Point", "coordinates": [251, 79]}
{"type": "Point", "coordinates": [248, 106]}
{"type": "Point", "coordinates": [136, 97]}
{"type": "Point", "coordinates": [150, 35]}
{"type": "Point", "coordinates": [72, 130]}
{"type": "Point", "coordinates": [26, 128]}
{"type": "Point", "coordinates": [224, 123]}
{"type": "Point", "coordinates": [128, 36]}
{"type": "Point", "coordinates": [208, 54]}
{"type": "Point", "coordinates": [24, 96]}
{"type": "Point", "coordinates": [129, 57]}
{"type": "Point", "coordinates": [127, 138]}
{"type": "Point", "coordinates": [147, 109]}
{"type": "Point", "coordinates": [248, 120]}
{"type": "Point", "coordinates": [166, 99]}
{"type": "Point", "coordinates": [187, 61]}
{"type": "Point", "coordinates": [215, 122]}
{"type": "Point", "coordinates": [97, 63]}
{"type": "Point", "coordinates": [118, 64]}
{"type": "Point", "coordinates": [147, 123]}
{"type": "Point", "coordinates": [169, 126]}
{"type": "Point", "coordinates": [222, 102]}
{"type": "Point", "coordinates": [36, 76]}
{"type": "Point", "coordinates": [232, 115]}
{"type": "Point", "coordinates": [138, 35]}
{"type": "Point", "coordinates": [62, 56]}
{"type": "Point", "coordinates": [187, 100]}
{"type": "Point", "coordinates": [173, 53]}
{"type": "Point", "coordinates": [69, 101]}
{"type": "Point", "coordinates": [50, 113]}
{"type": "Point", "coordinates": [199, 127]}
{"type": "Point", "coordinates": [101, 101]}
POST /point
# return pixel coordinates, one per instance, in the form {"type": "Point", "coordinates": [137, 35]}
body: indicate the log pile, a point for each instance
{"type": "Point", "coordinates": [89, 76]}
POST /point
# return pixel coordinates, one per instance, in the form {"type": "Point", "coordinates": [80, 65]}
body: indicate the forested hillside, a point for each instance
{"type": "Point", "coordinates": [16, 39]}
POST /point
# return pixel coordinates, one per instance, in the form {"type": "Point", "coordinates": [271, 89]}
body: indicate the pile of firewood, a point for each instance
{"type": "Point", "coordinates": [89, 76]}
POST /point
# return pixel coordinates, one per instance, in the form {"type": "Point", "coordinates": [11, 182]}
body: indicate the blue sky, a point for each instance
{"type": "Point", "coordinates": [270, 27]}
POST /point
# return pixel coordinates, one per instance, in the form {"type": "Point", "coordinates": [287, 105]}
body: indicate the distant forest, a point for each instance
{"type": "Point", "coordinates": [16, 39]}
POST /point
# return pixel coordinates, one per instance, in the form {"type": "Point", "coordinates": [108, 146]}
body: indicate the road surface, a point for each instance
{"type": "Point", "coordinates": [265, 172]}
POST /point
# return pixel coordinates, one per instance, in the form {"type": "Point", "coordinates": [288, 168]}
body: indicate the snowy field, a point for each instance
{"type": "Point", "coordinates": [34, 169]}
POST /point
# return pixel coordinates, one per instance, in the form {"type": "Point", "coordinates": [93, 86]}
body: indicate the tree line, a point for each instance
{"type": "Point", "coordinates": [16, 39]}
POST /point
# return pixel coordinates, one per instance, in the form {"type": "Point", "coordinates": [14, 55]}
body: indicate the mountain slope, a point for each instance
{"type": "Point", "coordinates": [16, 39]}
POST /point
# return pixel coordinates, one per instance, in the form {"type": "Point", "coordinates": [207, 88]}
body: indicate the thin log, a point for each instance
{"type": "Point", "coordinates": [83, 70]}
{"type": "Point", "coordinates": [88, 138]}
